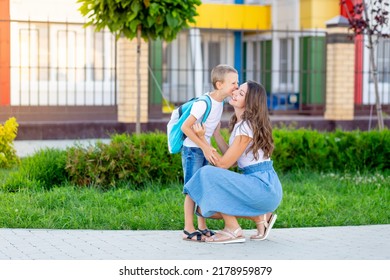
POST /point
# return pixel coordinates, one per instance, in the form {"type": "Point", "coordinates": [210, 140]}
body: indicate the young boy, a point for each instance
{"type": "Point", "coordinates": [196, 153]}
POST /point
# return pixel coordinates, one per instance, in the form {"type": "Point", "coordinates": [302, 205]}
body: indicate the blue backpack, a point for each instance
{"type": "Point", "coordinates": [179, 115]}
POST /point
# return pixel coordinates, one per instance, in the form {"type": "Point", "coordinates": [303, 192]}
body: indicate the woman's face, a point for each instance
{"type": "Point", "coordinates": [238, 97]}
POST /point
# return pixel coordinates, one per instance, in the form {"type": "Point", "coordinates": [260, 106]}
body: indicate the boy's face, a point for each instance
{"type": "Point", "coordinates": [230, 84]}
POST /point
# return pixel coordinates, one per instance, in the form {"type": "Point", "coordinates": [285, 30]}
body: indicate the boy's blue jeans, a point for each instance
{"type": "Point", "coordinates": [192, 160]}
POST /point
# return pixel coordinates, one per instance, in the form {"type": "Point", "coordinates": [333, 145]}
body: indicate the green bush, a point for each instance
{"type": "Point", "coordinates": [8, 131]}
{"type": "Point", "coordinates": [142, 158]}
{"type": "Point", "coordinates": [44, 169]}
{"type": "Point", "coordinates": [135, 158]}
{"type": "Point", "coordinates": [325, 151]}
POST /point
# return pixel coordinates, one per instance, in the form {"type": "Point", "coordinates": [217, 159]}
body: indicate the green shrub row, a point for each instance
{"type": "Point", "coordinates": [140, 159]}
{"type": "Point", "coordinates": [324, 151]}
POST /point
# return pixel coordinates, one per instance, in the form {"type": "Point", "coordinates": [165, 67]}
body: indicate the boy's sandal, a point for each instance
{"type": "Point", "coordinates": [225, 236]}
{"type": "Point", "coordinates": [189, 236]}
{"type": "Point", "coordinates": [207, 232]}
{"type": "Point", "coordinates": [268, 226]}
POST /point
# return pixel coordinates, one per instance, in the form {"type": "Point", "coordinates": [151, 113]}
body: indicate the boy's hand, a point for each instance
{"type": "Point", "coordinates": [210, 152]}
{"type": "Point", "coordinates": [199, 129]}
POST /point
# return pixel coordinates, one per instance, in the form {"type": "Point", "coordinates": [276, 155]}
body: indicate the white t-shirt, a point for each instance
{"type": "Point", "coordinates": [198, 109]}
{"type": "Point", "coordinates": [246, 159]}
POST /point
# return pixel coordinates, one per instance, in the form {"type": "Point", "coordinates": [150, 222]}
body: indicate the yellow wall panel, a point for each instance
{"type": "Point", "coordinates": [315, 13]}
{"type": "Point", "coordinates": [229, 16]}
{"type": "Point", "coordinates": [306, 13]}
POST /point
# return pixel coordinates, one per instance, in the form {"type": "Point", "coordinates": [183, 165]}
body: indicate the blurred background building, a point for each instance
{"type": "Point", "coordinates": [61, 80]}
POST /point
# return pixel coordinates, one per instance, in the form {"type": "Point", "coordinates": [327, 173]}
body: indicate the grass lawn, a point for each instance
{"type": "Point", "coordinates": [310, 200]}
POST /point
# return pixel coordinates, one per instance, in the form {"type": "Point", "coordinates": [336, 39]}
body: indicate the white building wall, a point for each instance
{"type": "Point", "coordinates": [381, 53]}
{"type": "Point", "coordinates": [218, 1]}
{"type": "Point", "coordinates": [57, 64]}
{"type": "Point", "coordinates": [285, 14]}
{"type": "Point", "coordinates": [285, 18]}
{"type": "Point", "coordinates": [44, 10]}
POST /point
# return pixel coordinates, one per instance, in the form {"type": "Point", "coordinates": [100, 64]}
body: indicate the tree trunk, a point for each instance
{"type": "Point", "coordinates": [374, 72]}
{"type": "Point", "coordinates": [376, 89]}
{"type": "Point", "coordinates": [138, 123]}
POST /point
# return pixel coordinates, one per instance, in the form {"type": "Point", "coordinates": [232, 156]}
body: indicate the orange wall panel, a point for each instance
{"type": "Point", "coordinates": [5, 61]}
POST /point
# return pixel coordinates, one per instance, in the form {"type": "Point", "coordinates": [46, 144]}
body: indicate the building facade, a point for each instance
{"type": "Point", "coordinates": [52, 69]}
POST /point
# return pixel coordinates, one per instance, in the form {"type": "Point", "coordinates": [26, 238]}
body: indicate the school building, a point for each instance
{"type": "Point", "coordinates": [61, 80]}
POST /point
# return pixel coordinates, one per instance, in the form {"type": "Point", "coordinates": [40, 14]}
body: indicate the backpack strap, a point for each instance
{"type": "Point", "coordinates": [206, 98]}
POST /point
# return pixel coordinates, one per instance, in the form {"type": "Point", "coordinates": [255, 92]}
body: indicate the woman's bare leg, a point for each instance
{"type": "Point", "coordinates": [260, 222]}
{"type": "Point", "coordinates": [231, 223]}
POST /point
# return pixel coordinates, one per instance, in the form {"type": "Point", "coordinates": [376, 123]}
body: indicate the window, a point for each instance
{"type": "Point", "coordinates": [383, 64]}
{"type": "Point", "coordinates": [188, 60]}
{"type": "Point", "coordinates": [286, 62]}
{"type": "Point", "coordinates": [61, 64]}
{"type": "Point", "coordinates": [214, 54]}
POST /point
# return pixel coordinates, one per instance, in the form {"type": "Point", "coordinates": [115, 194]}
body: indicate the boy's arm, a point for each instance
{"type": "Point", "coordinates": [202, 143]}
{"type": "Point", "coordinates": [200, 131]}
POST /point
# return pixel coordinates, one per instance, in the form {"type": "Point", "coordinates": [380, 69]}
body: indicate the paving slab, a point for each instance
{"type": "Point", "coordinates": [371, 242]}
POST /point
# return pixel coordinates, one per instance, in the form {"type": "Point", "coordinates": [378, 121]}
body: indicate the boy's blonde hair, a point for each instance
{"type": "Point", "coordinates": [219, 72]}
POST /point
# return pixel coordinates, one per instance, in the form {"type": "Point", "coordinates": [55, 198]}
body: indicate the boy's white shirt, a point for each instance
{"type": "Point", "coordinates": [198, 109]}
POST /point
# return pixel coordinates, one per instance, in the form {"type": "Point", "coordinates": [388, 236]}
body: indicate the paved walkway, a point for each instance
{"type": "Point", "coordinates": [330, 243]}
{"type": "Point", "coordinates": [28, 147]}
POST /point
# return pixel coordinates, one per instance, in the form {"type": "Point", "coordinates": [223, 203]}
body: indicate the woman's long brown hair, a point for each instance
{"type": "Point", "coordinates": [256, 114]}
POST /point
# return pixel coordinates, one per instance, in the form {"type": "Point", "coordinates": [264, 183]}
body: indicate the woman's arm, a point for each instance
{"type": "Point", "coordinates": [222, 145]}
{"type": "Point", "coordinates": [234, 152]}
{"type": "Point", "coordinates": [200, 130]}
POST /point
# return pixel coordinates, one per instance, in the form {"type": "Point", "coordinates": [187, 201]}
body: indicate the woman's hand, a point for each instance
{"type": "Point", "coordinates": [199, 129]}
{"type": "Point", "coordinates": [211, 155]}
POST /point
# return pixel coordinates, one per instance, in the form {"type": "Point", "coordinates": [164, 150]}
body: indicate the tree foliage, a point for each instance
{"type": "Point", "coordinates": [147, 19]}
{"type": "Point", "coordinates": [157, 18]}
{"type": "Point", "coordinates": [361, 23]}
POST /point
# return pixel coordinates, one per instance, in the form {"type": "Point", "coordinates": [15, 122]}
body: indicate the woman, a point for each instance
{"type": "Point", "coordinates": [221, 193]}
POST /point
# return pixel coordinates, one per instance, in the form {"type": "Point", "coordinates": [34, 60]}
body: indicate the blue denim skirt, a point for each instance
{"type": "Point", "coordinates": [253, 192]}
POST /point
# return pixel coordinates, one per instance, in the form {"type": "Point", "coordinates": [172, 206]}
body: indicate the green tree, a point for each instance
{"type": "Point", "coordinates": [147, 19]}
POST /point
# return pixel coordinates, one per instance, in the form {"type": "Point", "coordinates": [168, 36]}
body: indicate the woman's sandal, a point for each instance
{"type": "Point", "coordinates": [206, 232]}
{"type": "Point", "coordinates": [225, 236]}
{"type": "Point", "coordinates": [189, 236]}
{"type": "Point", "coordinates": [268, 226]}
